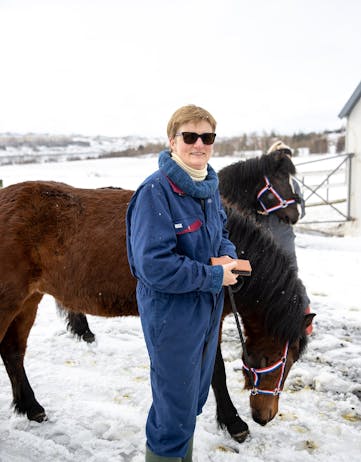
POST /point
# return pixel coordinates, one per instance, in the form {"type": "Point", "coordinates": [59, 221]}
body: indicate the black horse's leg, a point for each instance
{"type": "Point", "coordinates": [77, 323]}
{"type": "Point", "coordinates": [12, 350]}
{"type": "Point", "coordinates": [227, 415]}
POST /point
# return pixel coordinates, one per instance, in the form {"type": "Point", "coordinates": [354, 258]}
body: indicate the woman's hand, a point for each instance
{"type": "Point", "coordinates": [229, 278]}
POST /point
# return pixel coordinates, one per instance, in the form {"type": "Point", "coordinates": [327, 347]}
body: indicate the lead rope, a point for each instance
{"type": "Point", "coordinates": [231, 293]}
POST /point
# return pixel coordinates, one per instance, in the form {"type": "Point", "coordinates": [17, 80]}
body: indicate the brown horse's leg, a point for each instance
{"type": "Point", "coordinates": [12, 350]}
{"type": "Point", "coordinates": [227, 415]}
{"type": "Point", "coordinates": [77, 323]}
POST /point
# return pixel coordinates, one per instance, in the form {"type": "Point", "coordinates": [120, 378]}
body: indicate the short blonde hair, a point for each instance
{"type": "Point", "coordinates": [185, 114]}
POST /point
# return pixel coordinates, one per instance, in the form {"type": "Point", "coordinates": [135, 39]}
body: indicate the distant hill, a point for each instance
{"type": "Point", "coordinates": [32, 148]}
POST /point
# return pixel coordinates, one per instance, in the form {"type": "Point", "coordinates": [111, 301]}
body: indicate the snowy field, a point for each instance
{"type": "Point", "coordinates": [97, 396]}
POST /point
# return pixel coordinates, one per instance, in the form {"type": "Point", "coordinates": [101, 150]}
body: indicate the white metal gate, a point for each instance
{"type": "Point", "coordinates": [326, 184]}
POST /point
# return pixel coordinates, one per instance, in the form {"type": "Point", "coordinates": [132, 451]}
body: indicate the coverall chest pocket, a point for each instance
{"type": "Point", "coordinates": [187, 225]}
{"type": "Point", "coordinates": [189, 231]}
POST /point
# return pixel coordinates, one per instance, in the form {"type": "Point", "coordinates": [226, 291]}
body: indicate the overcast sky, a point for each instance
{"type": "Point", "coordinates": [121, 67]}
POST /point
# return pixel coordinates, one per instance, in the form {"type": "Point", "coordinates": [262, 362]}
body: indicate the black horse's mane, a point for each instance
{"type": "Point", "coordinates": [239, 181]}
{"type": "Point", "coordinates": [273, 289]}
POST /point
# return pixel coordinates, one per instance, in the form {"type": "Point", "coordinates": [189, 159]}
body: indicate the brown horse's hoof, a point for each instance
{"type": "Point", "coordinates": [241, 436]}
{"type": "Point", "coordinates": [88, 336]}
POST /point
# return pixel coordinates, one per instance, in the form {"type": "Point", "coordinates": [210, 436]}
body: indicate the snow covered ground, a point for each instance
{"type": "Point", "coordinates": [97, 396]}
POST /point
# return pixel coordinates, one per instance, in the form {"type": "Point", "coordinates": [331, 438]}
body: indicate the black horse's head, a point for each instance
{"type": "Point", "coordinates": [262, 185]}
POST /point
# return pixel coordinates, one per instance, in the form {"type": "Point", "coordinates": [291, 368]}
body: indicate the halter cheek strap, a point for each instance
{"type": "Point", "coordinates": [265, 370]}
{"type": "Point", "coordinates": [282, 203]}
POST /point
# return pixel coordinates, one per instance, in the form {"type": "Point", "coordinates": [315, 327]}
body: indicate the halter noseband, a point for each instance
{"type": "Point", "coordinates": [257, 372]}
{"type": "Point", "coordinates": [282, 203]}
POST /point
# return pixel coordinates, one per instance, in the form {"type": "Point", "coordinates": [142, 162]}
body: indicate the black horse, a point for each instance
{"type": "Point", "coordinates": [261, 186]}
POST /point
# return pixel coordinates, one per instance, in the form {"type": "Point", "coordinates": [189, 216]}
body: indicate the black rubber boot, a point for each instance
{"type": "Point", "coordinates": [151, 457]}
{"type": "Point", "coordinates": [188, 456]}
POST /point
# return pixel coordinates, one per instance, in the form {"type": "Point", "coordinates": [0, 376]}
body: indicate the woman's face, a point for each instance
{"type": "Point", "coordinates": [194, 155]}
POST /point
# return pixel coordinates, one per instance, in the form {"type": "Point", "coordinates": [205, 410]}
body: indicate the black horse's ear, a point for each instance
{"type": "Point", "coordinates": [283, 158]}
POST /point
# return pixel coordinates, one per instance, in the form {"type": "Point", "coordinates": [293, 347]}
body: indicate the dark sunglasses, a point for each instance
{"type": "Point", "coordinates": [192, 137]}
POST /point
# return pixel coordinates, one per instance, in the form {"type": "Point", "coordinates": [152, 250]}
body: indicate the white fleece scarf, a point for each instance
{"type": "Point", "coordinates": [196, 175]}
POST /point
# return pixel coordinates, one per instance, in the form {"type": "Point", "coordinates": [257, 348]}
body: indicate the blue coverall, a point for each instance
{"type": "Point", "coordinates": [174, 227]}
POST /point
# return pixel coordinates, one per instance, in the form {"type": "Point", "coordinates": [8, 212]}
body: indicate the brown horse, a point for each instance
{"type": "Point", "coordinates": [70, 243]}
{"type": "Point", "coordinates": [66, 242]}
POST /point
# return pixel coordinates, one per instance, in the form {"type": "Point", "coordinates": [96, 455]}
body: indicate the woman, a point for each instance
{"type": "Point", "coordinates": [175, 224]}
